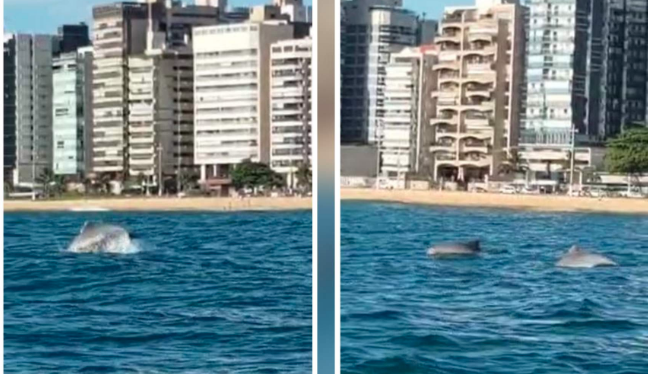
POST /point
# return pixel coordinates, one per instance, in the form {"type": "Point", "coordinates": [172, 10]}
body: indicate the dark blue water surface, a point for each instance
{"type": "Point", "coordinates": [509, 310]}
{"type": "Point", "coordinates": [209, 293]}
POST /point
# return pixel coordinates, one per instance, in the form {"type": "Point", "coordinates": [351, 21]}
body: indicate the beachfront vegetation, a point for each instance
{"type": "Point", "coordinates": [513, 164]}
{"type": "Point", "coordinates": [304, 176]}
{"type": "Point", "coordinates": [628, 153]}
{"type": "Point", "coordinates": [253, 175]}
{"type": "Point", "coordinates": [52, 184]}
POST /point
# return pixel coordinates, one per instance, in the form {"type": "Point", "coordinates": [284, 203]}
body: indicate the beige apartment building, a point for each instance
{"type": "Point", "coordinates": [480, 69]}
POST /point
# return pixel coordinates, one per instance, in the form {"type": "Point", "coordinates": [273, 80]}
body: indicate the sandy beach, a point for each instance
{"type": "Point", "coordinates": [493, 200]}
{"type": "Point", "coordinates": [162, 204]}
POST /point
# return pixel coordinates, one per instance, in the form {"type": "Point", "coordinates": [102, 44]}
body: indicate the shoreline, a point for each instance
{"type": "Point", "coordinates": [543, 203]}
{"type": "Point", "coordinates": [162, 204]}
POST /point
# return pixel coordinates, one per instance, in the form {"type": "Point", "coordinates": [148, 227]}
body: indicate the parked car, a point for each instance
{"type": "Point", "coordinates": [478, 189]}
{"type": "Point", "coordinates": [508, 190]}
{"type": "Point", "coordinates": [529, 190]}
{"type": "Point", "coordinates": [631, 194]}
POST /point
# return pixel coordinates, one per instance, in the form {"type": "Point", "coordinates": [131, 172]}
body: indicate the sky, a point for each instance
{"type": "Point", "coordinates": [433, 8]}
{"type": "Point", "coordinates": [45, 16]}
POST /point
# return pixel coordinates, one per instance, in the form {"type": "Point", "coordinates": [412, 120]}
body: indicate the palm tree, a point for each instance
{"type": "Point", "coordinates": [87, 184]}
{"type": "Point", "coordinates": [46, 179]}
{"type": "Point", "coordinates": [105, 179]}
{"type": "Point", "coordinates": [304, 176]}
{"type": "Point", "coordinates": [514, 164]}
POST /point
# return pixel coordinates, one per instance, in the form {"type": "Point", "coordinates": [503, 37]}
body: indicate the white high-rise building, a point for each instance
{"type": "Point", "coordinates": [370, 31]}
{"type": "Point", "coordinates": [290, 95]}
{"type": "Point", "coordinates": [408, 81]}
{"type": "Point", "coordinates": [232, 94]}
{"type": "Point", "coordinates": [119, 30]}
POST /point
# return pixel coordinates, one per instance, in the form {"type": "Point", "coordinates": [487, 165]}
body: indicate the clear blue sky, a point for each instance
{"type": "Point", "coordinates": [432, 8]}
{"type": "Point", "coordinates": [45, 16]}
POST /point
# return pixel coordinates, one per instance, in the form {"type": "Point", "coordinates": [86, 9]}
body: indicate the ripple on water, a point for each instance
{"type": "Point", "coordinates": [510, 310]}
{"type": "Point", "coordinates": [205, 292]}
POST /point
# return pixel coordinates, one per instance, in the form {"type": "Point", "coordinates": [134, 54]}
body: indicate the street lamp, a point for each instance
{"type": "Point", "coordinates": [378, 154]}
{"type": "Point", "coordinates": [160, 184]}
{"type": "Point", "coordinates": [178, 123]}
{"type": "Point", "coordinates": [571, 168]}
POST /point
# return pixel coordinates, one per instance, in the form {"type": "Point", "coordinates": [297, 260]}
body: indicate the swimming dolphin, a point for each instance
{"type": "Point", "coordinates": [577, 257]}
{"type": "Point", "coordinates": [466, 248]}
{"type": "Point", "coordinates": [100, 237]}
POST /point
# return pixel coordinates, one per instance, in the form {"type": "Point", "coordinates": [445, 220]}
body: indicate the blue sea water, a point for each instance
{"type": "Point", "coordinates": [509, 310]}
{"type": "Point", "coordinates": [208, 293]}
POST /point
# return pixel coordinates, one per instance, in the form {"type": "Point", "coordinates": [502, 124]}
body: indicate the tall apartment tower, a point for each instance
{"type": "Point", "coordinates": [565, 80]}
{"type": "Point", "coordinates": [480, 70]}
{"type": "Point", "coordinates": [119, 30]}
{"type": "Point", "coordinates": [563, 72]}
{"type": "Point", "coordinates": [371, 30]}
{"type": "Point", "coordinates": [232, 94]}
{"type": "Point", "coordinates": [72, 112]}
{"type": "Point", "coordinates": [624, 65]}
{"type": "Point", "coordinates": [408, 82]}
{"type": "Point", "coordinates": [160, 96]}
{"type": "Point", "coordinates": [27, 106]}
{"type": "Point", "coordinates": [144, 87]}
{"type": "Point", "coordinates": [73, 37]}
{"type": "Point", "coordinates": [290, 107]}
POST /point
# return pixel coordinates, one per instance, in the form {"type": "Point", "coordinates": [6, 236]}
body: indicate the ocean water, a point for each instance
{"type": "Point", "coordinates": [207, 293]}
{"type": "Point", "coordinates": [509, 310]}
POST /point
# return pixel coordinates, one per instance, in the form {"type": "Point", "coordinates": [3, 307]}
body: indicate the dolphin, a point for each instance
{"type": "Point", "coordinates": [444, 249]}
{"type": "Point", "coordinates": [577, 257]}
{"type": "Point", "coordinates": [101, 237]}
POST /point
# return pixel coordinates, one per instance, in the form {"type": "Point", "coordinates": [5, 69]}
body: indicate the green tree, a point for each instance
{"type": "Point", "coordinates": [255, 174]}
{"type": "Point", "coordinates": [52, 184]}
{"type": "Point", "coordinates": [304, 176]}
{"type": "Point", "coordinates": [628, 153]}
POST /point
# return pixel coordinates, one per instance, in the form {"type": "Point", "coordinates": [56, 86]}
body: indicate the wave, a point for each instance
{"type": "Point", "coordinates": [379, 315]}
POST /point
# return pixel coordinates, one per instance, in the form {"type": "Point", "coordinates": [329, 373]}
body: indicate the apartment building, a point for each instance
{"type": "Point", "coordinates": [72, 112]}
{"type": "Point", "coordinates": [564, 82]}
{"type": "Point", "coordinates": [232, 94]}
{"type": "Point", "coordinates": [370, 31]}
{"type": "Point", "coordinates": [119, 30]}
{"type": "Point", "coordinates": [148, 55]}
{"type": "Point", "coordinates": [405, 132]}
{"type": "Point", "coordinates": [624, 68]}
{"type": "Point", "coordinates": [27, 106]}
{"type": "Point", "coordinates": [479, 76]}
{"type": "Point", "coordinates": [290, 107]}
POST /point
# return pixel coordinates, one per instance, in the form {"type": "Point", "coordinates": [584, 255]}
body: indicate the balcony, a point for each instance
{"type": "Point", "coordinates": [452, 76]}
{"type": "Point", "coordinates": [445, 156]}
{"type": "Point", "coordinates": [482, 35]}
{"type": "Point", "coordinates": [480, 49]}
{"type": "Point", "coordinates": [443, 146]}
{"type": "Point", "coordinates": [471, 145]}
{"type": "Point", "coordinates": [475, 159]}
{"type": "Point", "coordinates": [446, 65]}
{"type": "Point", "coordinates": [449, 37]}
{"type": "Point", "coordinates": [446, 129]}
{"type": "Point", "coordinates": [475, 121]}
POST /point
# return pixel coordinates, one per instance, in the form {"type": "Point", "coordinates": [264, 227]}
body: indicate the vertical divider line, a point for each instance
{"type": "Point", "coordinates": [314, 182]}
{"type": "Point", "coordinates": [326, 187]}
{"type": "Point", "coordinates": [337, 146]}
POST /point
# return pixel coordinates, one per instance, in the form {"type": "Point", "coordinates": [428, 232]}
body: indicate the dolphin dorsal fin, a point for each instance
{"type": "Point", "coordinates": [574, 249]}
{"type": "Point", "coordinates": [87, 225]}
